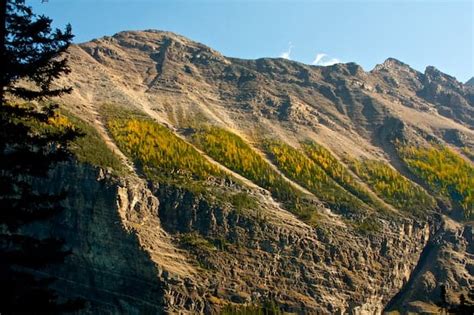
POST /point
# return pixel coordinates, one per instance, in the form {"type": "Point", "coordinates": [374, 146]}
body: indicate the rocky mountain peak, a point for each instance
{"type": "Point", "coordinates": [470, 82]}
{"type": "Point", "coordinates": [397, 73]}
{"type": "Point", "coordinates": [155, 42]}
{"type": "Point", "coordinates": [349, 69]}
{"type": "Point", "coordinates": [152, 36]}
{"type": "Point", "coordinates": [435, 74]}
{"type": "Point", "coordinates": [452, 98]}
{"type": "Point", "coordinates": [392, 63]}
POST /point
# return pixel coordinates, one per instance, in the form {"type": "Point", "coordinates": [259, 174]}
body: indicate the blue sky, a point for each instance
{"type": "Point", "coordinates": [417, 32]}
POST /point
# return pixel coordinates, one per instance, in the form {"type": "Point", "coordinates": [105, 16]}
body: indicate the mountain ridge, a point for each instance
{"type": "Point", "coordinates": [172, 35]}
{"type": "Point", "coordinates": [262, 62]}
{"type": "Point", "coordinates": [470, 82]}
{"type": "Point", "coordinates": [336, 131]}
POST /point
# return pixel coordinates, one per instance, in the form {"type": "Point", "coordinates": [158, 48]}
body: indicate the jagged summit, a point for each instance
{"type": "Point", "coordinates": [152, 41]}
{"type": "Point", "coordinates": [435, 74]}
{"type": "Point", "coordinates": [153, 35]}
{"type": "Point", "coordinates": [392, 64]}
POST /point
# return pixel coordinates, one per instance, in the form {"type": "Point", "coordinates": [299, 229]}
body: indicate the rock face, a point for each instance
{"type": "Point", "coordinates": [125, 259]}
{"type": "Point", "coordinates": [148, 247]}
{"type": "Point", "coordinates": [447, 260]}
{"type": "Point", "coordinates": [108, 267]}
{"type": "Point", "coordinates": [452, 98]}
{"type": "Point", "coordinates": [311, 270]}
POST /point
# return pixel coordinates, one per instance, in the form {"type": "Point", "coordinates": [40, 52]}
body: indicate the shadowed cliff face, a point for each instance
{"type": "Point", "coordinates": [452, 98]}
{"type": "Point", "coordinates": [449, 253]}
{"type": "Point", "coordinates": [108, 266]}
{"type": "Point", "coordinates": [147, 244]}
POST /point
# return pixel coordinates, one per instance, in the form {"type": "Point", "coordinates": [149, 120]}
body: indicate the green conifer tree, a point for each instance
{"type": "Point", "coordinates": [30, 60]}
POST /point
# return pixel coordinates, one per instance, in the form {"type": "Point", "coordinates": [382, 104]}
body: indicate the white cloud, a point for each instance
{"type": "Point", "coordinates": [323, 59]}
{"type": "Point", "coordinates": [318, 58]}
{"type": "Point", "coordinates": [287, 54]}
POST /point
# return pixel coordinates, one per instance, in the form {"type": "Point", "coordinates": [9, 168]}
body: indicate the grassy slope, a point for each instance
{"type": "Point", "coordinates": [447, 174]}
{"type": "Point", "coordinates": [92, 149]}
{"type": "Point", "coordinates": [392, 187]}
{"type": "Point", "coordinates": [233, 152]}
{"type": "Point", "coordinates": [88, 147]}
{"type": "Point", "coordinates": [160, 154]}
{"type": "Point", "coordinates": [339, 173]}
{"type": "Point", "coordinates": [303, 170]}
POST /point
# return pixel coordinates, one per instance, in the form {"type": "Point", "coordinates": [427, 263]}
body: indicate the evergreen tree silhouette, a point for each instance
{"type": "Point", "coordinates": [464, 307]}
{"type": "Point", "coordinates": [30, 60]}
{"type": "Point", "coordinates": [443, 303]}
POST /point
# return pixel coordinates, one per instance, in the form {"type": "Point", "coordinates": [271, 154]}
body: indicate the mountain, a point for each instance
{"type": "Point", "coordinates": [206, 183]}
{"type": "Point", "coordinates": [470, 82]}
